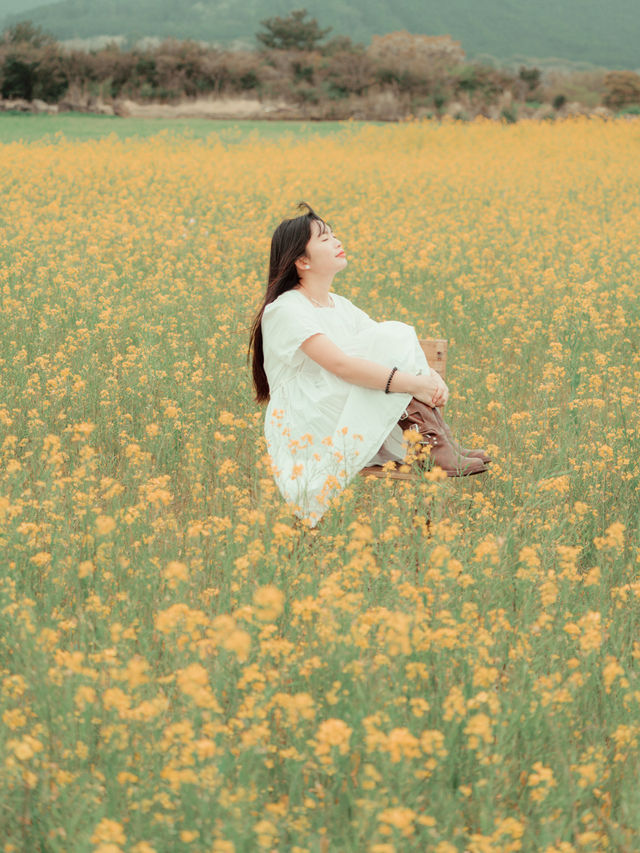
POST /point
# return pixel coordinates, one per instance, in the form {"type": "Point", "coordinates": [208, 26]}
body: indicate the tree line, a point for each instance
{"type": "Point", "coordinates": [296, 63]}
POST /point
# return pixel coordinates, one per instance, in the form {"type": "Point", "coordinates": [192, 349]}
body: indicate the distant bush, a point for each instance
{"type": "Point", "coordinates": [293, 32]}
{"type": "Point", "coordinates": [623, 89]}
{"type": "Point", "coordinates": [414, 63]}
{"type": "Point", "coordinates": [349, 72]}
{"type": "Point", "coordinates": [584, 87]}
{"type": "Point", "coordinates": [31, 65]}
{"type": "Point", "coordinates": [482, 82]}
{"type": "Point", "coordinates": [398, 74]}
{"type": "Point", "coordinates": [531, 77]}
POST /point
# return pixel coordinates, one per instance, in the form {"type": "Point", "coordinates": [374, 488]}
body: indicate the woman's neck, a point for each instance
{"type": "Point", "coordinates": [316, 289]}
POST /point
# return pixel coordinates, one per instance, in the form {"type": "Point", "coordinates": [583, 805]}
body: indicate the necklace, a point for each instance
{"type": "Point", "coordinates": [319, 304]}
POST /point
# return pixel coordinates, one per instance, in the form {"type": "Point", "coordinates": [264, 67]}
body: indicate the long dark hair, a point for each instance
{"type": "Point", "coordinates": [288, 243]}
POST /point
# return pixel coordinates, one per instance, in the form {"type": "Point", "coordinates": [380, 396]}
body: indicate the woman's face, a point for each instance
{"type": "Point", "coordinates": [324, 252]}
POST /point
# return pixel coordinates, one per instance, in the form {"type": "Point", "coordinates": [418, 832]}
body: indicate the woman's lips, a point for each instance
{"type": "Point", "coordinates": [340, 255]}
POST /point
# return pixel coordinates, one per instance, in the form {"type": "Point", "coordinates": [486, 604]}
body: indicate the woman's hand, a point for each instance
{"type": "Point", "coordinates": [431, 389]}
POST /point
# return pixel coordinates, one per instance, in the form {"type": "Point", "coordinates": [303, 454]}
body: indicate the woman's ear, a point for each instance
{"type": "Point", "coordinates": [302, 263]}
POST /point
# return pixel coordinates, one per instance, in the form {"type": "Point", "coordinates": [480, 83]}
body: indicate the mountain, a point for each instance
{"type": "Point", "coordinates": [581, 31]}
{"type": "Point", "coordinates": [17, 7]}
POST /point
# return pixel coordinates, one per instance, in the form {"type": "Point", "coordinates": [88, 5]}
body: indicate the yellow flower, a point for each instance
{"type": "Point", "coordinates": [332, 733]}
{"type": "Point", "coordinates": [492, 381]}
{"type": "Point", "coordinates": [479, 730]}
{"type": "Point", "coordinates": [220, 846]}
{"type": "Point", "coordinates": [205, 748]}
{"type": "Point", "coordinates": [399, 818]}
{"type": "Point", "coordinates": [175, 572]}
{"type": "Point", "coordinates": [136, 671]}
{"type": "Point", "coordinates": [116, 698]}
{"type": "Point", "coordinates": [454, 704]}
{"type": "Point", "coordinates": [85, 569]}
{"type": "Point", "coordinates": [108, 831]}
{"type": "Point", "coordinates": [26, 748]}
{"type": "Point", "coordinates": [613, 538]}
{"type": "Point", "coordinates": [401, 744]}
{"type": "Point", "coordinates": [84, 696]}
{"type": "Point", "coordinates": [238, 641]}
{"type": "Point", "coordinates": [541, 780]}
{"type": "Point", "coordinates": [105, 524]}
{"type": "Point", "coordinates": [14, 718]}
{"type": "Point", "coordinates": [419, 706]}
{"type": "Point", "coordinates": [192, 678]}
{"type": "Point", "coordinates": [590, 625]}
{"type": "Point", "coordinates": [559, 484]}
{"type": "Point", "coordinates": [588, 774]}
{"type": "Point", "coordinates": [611, 671]}
{"type": "Point", "coordinates": [82, 430]}
{"type": "Point", "coordinates": [432, 742]}
{"type": "Point", "coordinates": [266, 833]}
{"type": "Point", "coordinates": [269, 601]}
{"type": "Point", "coordinates": [548, 590]}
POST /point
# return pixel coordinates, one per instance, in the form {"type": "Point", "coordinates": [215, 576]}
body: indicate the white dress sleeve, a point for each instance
{"type": "Point", "coordinates": [286, 325]}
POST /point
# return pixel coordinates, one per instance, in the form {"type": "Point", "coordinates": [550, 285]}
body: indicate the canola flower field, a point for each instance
{"type": "Point", "coordinates": [442, 665]}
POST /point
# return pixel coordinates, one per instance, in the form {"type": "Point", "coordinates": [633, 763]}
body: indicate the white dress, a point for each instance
{"type": "Point", "coordinates": [320, 430]}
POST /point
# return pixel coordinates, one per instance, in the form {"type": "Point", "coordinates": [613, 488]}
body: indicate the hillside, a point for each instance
{"type": "Point", "coordinates": [17, 7]}
{"type": "Point", "coordinates": [576, 30]}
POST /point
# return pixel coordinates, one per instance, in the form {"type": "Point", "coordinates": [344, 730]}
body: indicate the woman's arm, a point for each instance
{"type": "Point", "coordinates": [429, 388]}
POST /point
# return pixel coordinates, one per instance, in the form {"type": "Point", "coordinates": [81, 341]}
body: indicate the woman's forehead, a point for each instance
{"type": "Point", "coordinates": [320, 226]}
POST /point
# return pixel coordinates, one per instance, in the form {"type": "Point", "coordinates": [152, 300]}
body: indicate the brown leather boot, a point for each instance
{"type": "Point", "coordinates": [463, 451]}
{"type": "Point", "coordinates": [421, 417]}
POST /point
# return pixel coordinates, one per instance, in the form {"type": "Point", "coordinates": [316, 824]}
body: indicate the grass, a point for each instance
{"type": "Point", "coordinates": [21, 127]}
{"type": "Point", "coordinates": [444, 666]}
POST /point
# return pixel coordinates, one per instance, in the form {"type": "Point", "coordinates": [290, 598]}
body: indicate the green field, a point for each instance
{"type": "Point", "coordinates": [16, 127]}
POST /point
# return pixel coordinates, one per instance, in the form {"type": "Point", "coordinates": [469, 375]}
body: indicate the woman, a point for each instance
{"type": "Point", "coordinates": [341, 387]}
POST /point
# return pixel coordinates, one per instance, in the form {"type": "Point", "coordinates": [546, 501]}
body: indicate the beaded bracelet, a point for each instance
{"type": "Point", "coordinates": [386, 390]}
